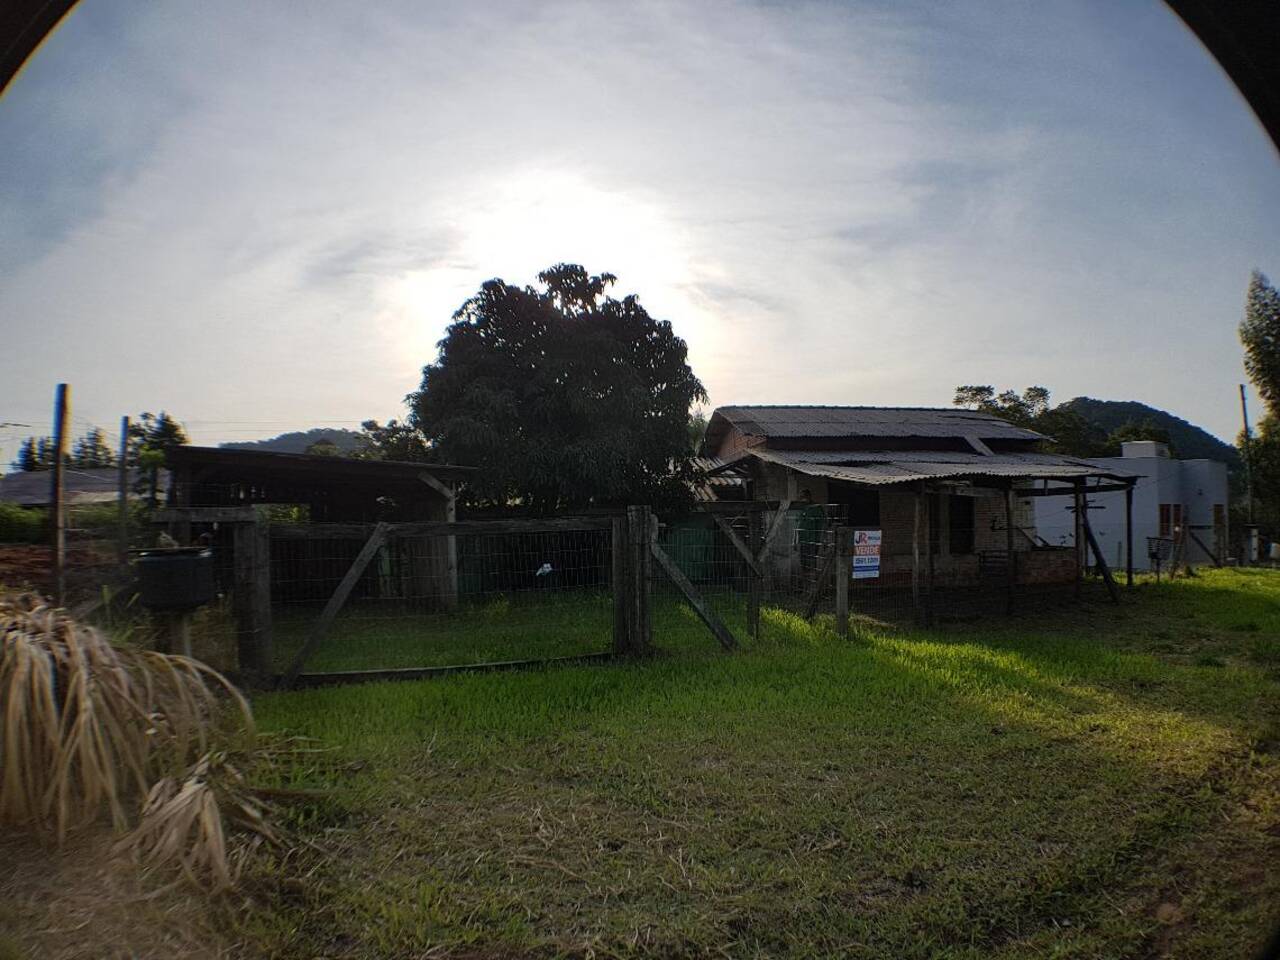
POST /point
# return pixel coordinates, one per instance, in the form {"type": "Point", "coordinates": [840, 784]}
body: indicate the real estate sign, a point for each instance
{"type": "Point", "coordinates": [866, 554]}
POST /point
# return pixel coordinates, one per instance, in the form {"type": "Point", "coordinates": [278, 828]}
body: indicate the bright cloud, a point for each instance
{"type": "Point", "coordinates": [264, 221]}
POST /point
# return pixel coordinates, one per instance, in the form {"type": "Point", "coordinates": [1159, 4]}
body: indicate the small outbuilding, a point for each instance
{"type": "Point", "coordinates": [948, 493]}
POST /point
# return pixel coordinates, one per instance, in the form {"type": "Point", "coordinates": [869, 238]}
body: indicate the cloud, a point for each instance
{"type": "Point", "coordinates": [240, 212]}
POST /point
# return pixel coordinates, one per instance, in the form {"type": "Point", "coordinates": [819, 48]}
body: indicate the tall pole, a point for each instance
{"type": "Point", "coordinates": [1128, 535]}
{"type": "Point", "coordinates": [122, 493]}
{"type": "Point", "coordinates": [58, 514]}
{"type": "Point", "coordinates": [1248, 453]}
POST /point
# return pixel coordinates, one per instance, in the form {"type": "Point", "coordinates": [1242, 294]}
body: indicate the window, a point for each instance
{"type": "Point", "coordinates": [960, 524]}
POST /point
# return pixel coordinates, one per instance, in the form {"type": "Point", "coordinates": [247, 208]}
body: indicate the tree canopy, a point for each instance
{"type": "Point", "coordinates": [1069, 431]}
{"type": "Point", "coordinates": [1260, 335]}
{"type": "Point", "coordinates": [561, 395]}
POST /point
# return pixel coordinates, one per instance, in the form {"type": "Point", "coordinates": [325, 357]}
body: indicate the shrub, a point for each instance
{"type": "Point", "coordinates": [22, 524]}
{"type": "Point", "coordinates": [89, 728]}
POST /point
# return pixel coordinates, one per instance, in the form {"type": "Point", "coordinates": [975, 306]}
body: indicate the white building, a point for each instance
{"type": "Point", "coordinates": [1172, 499]}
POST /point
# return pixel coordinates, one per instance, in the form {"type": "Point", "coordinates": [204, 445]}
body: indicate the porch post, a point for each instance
{"type": "Point", "coordinates": [1011, 570]}
{"type": "Point", "coordinates": [915, 555]}
{"type": "Point", "coordinates": [1078, 501]}
{"type": "Point", "coordinates": [1128, 535]}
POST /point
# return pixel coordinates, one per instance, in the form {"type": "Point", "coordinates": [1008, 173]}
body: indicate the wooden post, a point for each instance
{"type": "Point", "coordinates": [449, 492]}
{"type": "Point", "coordinates": [122, 489]}
{"type": "Point", "coordinates": [842, 574]}
{"type": "Point", "coordinates": [251, 593]}
{"type": "Point", "coordinates": [1078, 499]}
{"type": "Point", "coordinates": [929, 550]}
{"type": "Point", "coordinates": [640, 534]}
{"type": "Point", "coordinates": [755, 533]}
{"type": "Point", "coordinates": [1128, 535]}
{"type": "Point", "coordinates": [915, 554]}
{"type": "Point", "coordinates": [58, 511]}
{"type": "Point", "coordinates": [1011, 572]}
{"type": "Point", "coordinates": [620, 584]}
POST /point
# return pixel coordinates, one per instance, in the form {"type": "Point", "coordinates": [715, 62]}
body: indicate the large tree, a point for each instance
{"type": "Point", "coordinates": [561, 395]}
{"type": "Point", "coordinates": [1260, 334]}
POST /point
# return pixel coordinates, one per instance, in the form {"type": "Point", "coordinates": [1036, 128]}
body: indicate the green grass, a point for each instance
{"type": "Point", "coordinates": [374, 638]}
{"type": "Point", "coordinates": [1093, 782]}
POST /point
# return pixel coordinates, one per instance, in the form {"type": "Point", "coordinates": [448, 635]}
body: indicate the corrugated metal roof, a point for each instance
{"type": "Point", "coordinates": [34, 488]}
{"type": "Point", "coordinates": [815, 421]}
{"type": "Point", "coordinates": [719, 477]}
{"type": "Point", "coordinates": [900, 467]}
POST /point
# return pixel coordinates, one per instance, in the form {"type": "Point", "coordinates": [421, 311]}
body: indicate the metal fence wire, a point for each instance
{"type": "Point", "coordinates": [432, 600]}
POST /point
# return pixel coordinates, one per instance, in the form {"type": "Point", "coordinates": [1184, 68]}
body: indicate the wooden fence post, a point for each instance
{"type": "Point", "coordinates": [842, 573]}
{"type": "Point", "coordinates": [252, 601]}
{"type": "Point", "coordinates": [122, 491]}
{"type": "Point", "coordinates": [621, 582]}
{"type": "Point", "coordinates": [58, 512]}
{"type": "Point", "coordinates": [755, 536]}
{"type": "Point", "coordinates": [1011, 573]}
{"type": "Point", "coordinates": [639, 536]}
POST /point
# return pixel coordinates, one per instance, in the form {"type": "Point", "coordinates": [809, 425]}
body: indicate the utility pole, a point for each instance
{"type": "Point", "coordinates": [58, 516]}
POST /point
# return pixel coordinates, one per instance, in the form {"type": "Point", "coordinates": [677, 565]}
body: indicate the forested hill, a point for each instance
{"type": "Point", "coordinates": [299, 440]}
{"type": "Point", "coordinates": [1189, 441]}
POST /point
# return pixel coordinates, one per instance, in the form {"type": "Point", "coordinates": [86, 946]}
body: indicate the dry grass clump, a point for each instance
{"type": "Point", "coordinates": [88, 727]}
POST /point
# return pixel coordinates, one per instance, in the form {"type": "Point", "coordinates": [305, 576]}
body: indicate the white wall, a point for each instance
{"type": "Point", "coordinates": [1196, 484]}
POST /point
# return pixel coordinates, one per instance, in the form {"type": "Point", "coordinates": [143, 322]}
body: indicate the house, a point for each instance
{"type": "Point", "coordinates": [79, 486]}
{"type": "Point", "coordinates": [950, 491]}
{"type": "Point", "coordinates": [1180, 502]}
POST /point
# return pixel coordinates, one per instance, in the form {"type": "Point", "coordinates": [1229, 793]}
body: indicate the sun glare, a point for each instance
{"type": "Point", "coordinates": [529, 221]}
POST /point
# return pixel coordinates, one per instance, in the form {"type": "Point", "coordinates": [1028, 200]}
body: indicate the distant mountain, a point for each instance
{"type": "Point", "coordinates": [1189, 441]}
{"type": "Point", "coordinates": [297, 442]}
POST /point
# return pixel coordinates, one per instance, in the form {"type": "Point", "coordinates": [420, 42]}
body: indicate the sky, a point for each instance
{"type": "Point", "coordinates": [260, 217]}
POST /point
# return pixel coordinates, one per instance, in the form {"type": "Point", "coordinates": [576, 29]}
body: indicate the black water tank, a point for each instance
{"type": "Point", "coordinates": [176, 579]}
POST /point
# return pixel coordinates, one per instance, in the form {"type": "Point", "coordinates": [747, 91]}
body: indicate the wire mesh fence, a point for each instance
{"type": "Point", "coordinates": [426, 600]}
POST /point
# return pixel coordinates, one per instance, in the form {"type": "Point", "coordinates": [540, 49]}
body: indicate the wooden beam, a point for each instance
{"type": "Point", "coordinates": [1212, 556]}
{"type": "Point", "coordinates": [917, 505]}
{"type": "Point", "coordinates": [774, 526]}
{"type": "Point", "coordinates": [325, 621]}
{"type": "Point", "coordinates": [738, 545]}
{"type": "Point", "coordinates": [205, 515]}
{"type": "Point", "coordinates": [700, 605]}
{"type": "Point", "coordinates": [1097, 553]}
{"type": "Point", "coordinates": [437, 528]}
{"type": "Point", "coordinates": [1069, 491]}
{"type": "Point", "coordinates": [423, 673]}
{"type": "Point", "coordinates": [436, 485]}
{"type": "Point", "coordinates": [815, 588]}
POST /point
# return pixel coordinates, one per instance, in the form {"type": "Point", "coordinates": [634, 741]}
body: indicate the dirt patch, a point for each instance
{"type": "Point", "coordinates": [81, 902]}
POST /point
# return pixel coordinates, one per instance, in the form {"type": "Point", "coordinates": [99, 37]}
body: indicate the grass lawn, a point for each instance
{"type": "Point", "coordinates": [1098, 782]}
{"type": "Point", "coordinates": [369, 638]}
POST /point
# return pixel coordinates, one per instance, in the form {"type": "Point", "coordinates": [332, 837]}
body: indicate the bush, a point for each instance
{"type": "Point", "coordinates": [23, 524]}
{"type": "Point", "coordinates": [88, 728]}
